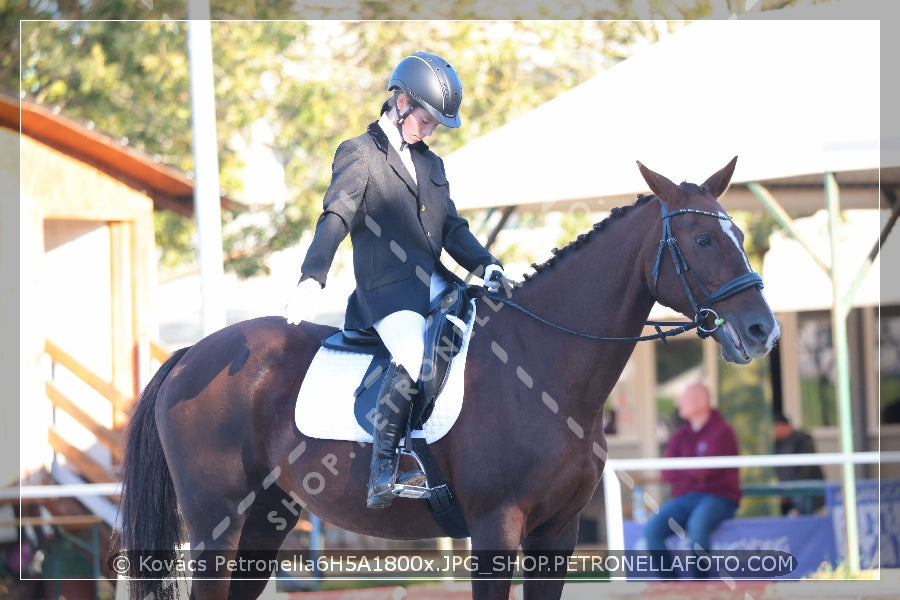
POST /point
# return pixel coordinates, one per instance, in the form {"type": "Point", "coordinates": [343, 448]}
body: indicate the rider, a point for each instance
{"type": "Point", "coordinates": [390, 193]}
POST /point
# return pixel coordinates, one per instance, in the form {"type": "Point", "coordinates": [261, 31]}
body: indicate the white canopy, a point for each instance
{"type": "Point", "coordinates": [794, 282]}
{"type": "Point", "coordinates": [792, 98]}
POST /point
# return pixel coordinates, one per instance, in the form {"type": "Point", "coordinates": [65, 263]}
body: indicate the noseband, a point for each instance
{"type": "Point", "coordinates": [682, 269]}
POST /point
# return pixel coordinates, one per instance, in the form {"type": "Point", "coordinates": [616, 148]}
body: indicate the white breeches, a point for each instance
{"type": "Point", "coordinates": [403, 333]}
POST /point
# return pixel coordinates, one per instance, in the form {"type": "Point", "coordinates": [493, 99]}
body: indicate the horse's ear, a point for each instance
{"type": "Point", "coordinates": [659, 184]}
{"type": "Point", "coordinates": [718, 183]}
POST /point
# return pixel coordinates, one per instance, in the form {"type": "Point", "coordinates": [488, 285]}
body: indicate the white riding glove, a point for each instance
{"type": "Point", "coordinates": [495, 278]}
{"type": "Point", "coordinates": [303, 302]}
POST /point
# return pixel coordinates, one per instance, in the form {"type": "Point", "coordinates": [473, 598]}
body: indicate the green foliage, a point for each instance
{"type": "Point", "coordinates": [123, 69]}
{"type": "Point", "coordinates": [311, 84]}
{"type": "Point", "coordinates": [819, 402]}
{"type": "Point", "coordinates": [677, 356]}
{"type": "Point", "coordinates": [178, 234]}
{"type": "Point", "coordinates": [745, 399]}
{"type": "Point", "coordinates": [757, 227]}
{"type": "Point", "coordinates": [573, 224]}
{"type": "Point", "coordinates": [890, 393]}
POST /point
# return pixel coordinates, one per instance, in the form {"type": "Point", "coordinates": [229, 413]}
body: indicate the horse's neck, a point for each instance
{"type": "Point", "coordinates": [597, 289]}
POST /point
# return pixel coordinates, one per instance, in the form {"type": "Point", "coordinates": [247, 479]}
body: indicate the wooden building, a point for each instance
{"type": "Point", "coordinates": [84, 204]}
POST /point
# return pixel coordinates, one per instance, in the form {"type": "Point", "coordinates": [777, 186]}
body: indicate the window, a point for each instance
{"type": "Point", "coordinates": [817, 370]}
{"type": "Point", "coordinates": [889, 364]}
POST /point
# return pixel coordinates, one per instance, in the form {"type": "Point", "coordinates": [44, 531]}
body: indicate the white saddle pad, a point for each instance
{"type": "Point", "coordinates": [324, 407]}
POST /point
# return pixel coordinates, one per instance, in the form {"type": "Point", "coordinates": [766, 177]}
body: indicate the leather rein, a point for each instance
{"type": "Point", "coordinates": [682, 269]}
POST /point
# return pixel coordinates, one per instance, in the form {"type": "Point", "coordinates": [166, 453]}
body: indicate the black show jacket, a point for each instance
{"type": "Point", "coordinates": [398, 229]}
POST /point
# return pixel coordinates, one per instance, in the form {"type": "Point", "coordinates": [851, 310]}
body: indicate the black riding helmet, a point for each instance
{"type": "Point", "coordinates": [431, 83]}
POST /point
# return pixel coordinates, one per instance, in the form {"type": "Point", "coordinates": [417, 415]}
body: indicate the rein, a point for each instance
{"type": "Point", "coordinates": [678, 327]}
{"type": "Point", "coordinates": [701, 312]}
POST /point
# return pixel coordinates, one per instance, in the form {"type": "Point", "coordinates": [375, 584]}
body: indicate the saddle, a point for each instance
{"type": "Point", "coordinates": [445, 328]}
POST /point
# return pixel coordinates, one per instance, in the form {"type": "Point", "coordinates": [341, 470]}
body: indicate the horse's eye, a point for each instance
{"type": "Point", "coordinates": [704, 241]}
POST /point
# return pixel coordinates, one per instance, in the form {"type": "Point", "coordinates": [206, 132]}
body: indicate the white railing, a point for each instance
{"type": "Point", "coordinates": [74, 490]}
{"type": "Point", "coordinates": [612, 488]}
{"type": "Point", "coordinates": [615, 470]}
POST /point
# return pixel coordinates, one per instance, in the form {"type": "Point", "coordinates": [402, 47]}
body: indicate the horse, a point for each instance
{"type": "Point", "coordinates": [213, 455]}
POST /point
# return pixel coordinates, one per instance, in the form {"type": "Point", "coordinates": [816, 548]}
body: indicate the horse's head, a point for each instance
{"type": "Point", "coordinates": [701, 270]}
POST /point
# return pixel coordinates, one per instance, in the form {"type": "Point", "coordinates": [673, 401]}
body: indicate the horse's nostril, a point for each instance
{"type": "Point", "coordinates": [758, 332]}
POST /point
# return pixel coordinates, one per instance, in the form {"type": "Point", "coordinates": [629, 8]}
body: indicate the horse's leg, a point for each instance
{"type": "Point", "coordinates": [229, 549]}
{"type": "Point", "coordinates": [213, 557]}
{"type": "Point", "coordinates": [270, 519]}
{"type": "Point", "coordinates": [553, 549]}
{"type": "Point", "coordinates": [495, 540]}
{"type": "Point", "coordinates": [215, 510]}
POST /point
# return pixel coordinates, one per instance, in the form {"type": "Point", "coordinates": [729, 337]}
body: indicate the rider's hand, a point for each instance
{"type": "Point", "coordinates": [495, 278]}
{"type": "Point", "coordinates": [303, 302]}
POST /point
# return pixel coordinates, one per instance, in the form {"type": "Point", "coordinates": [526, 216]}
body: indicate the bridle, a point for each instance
{"type": "Point", "coordinates": [682, 269]}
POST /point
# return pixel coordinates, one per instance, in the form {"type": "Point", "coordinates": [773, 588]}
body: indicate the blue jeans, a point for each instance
{"type": "Point", "coordinates": [696, 514]}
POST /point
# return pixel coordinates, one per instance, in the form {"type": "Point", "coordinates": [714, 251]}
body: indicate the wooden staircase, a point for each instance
{"type": "Point", "coordinates": [110, 437]}
{"type": "Point", "coordinates": [78, 394]}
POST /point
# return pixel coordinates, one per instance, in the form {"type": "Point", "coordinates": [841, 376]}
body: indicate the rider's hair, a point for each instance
{"type": "Point", "coordinates": [391, 102]}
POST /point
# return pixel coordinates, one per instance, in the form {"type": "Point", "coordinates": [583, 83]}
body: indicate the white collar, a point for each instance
{"type": "Point", "coordinates": [393, 135]}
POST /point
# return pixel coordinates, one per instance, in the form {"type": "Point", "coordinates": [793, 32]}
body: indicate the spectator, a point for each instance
{"type": "Point", "coordinates": [701, 498]}
{"type": "Point", "coordinates": [793, 441]}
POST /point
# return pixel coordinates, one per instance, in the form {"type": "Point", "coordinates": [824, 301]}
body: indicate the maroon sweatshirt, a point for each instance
{"type": "Point", "coordinates": [715, 438]}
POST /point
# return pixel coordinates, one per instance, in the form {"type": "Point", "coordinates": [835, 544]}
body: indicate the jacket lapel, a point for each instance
{"type": "Point", "coordinates": [421, 162]}
{"type": "Point", "coordinates": [393, 157]}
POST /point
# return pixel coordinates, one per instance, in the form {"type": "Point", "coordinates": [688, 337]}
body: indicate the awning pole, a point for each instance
{"type": "Point", "coordinates": [206, 167]}
{"type": "Point", "coordinates": [784, 221]}
{"type": "Point", "coordinates": [840, 308]}
{"type": "Point", "coordinates": [842, 383]}
{"type": "Point", "coordinates": [876, 248]}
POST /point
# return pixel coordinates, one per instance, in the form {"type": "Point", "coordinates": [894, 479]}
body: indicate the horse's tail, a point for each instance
{"type": "Point", "coordinates": [150, 521]}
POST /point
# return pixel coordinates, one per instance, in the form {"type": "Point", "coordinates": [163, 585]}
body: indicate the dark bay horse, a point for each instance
{"type": "Point", "coordinates": [213, 453]}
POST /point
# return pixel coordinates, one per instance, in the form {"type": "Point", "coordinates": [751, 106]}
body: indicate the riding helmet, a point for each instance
{"type": "Point", "coordinates": [432, 84]}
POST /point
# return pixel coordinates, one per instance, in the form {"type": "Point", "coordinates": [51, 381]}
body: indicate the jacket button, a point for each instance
{"type": "Point", "coordinates": [429, 234]}
{"type": "Point", "coordinates": [423, 208]}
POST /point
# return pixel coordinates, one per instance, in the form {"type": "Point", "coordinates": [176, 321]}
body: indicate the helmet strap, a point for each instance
{"type": "Point", "coordinates": [400, 120]}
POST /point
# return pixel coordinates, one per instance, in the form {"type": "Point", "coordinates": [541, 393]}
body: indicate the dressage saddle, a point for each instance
{"type": "Point", "coordinates": [445, 328]}
{"type": "Point", "coordinates": [446, 325]}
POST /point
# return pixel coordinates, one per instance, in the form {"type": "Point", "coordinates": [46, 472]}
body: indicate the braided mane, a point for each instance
{"type": "Point", "coordinates": [584, 238]}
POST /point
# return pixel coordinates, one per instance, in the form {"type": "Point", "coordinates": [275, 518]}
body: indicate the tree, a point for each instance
{"type": "Point", "coordinates": [310, 83]}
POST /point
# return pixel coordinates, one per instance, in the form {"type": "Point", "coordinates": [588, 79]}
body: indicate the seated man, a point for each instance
{"type": "Point", "coordinates": [700, 498]}
{"type": "Point", "coordinates": [793, 441]}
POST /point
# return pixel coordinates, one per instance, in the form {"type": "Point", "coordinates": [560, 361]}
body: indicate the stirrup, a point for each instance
{"type": "Point", "coordinates": [412, 484]}
{"type": "Point", "coordinates": [382, 499]}
{"type": "Point", "coordinates": [414, 478]}
{"type": "Point", "coordinates": [410, 491]}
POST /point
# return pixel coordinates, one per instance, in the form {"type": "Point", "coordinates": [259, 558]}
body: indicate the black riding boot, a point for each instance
{"type": "Point", "coordinates": [394, 406]}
